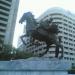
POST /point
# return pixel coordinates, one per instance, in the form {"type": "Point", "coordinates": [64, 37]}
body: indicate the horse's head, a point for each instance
{"type": "Point", "coordinates": [26, 16]}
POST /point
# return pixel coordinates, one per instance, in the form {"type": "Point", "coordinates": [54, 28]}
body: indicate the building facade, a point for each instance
{"type": "Point", "coordinates": [8, 13]}
{"type": "Point", "coordinates": [66, 24]}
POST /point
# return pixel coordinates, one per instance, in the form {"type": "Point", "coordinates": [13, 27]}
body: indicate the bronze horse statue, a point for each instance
{"type": "Point", "coordinates": [44, 32]}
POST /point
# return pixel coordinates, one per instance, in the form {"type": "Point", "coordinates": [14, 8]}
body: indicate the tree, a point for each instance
{"type": "Point", "coordinates": [6, 54]}
{"type": "Point", "coordinates": [1, 44]}
{"type": "Point", "coordinates": [10, 53]}
{"type": "Point", "coordinates": [23, 55]}
{"type": "Point", "coordinates": [72, 70]}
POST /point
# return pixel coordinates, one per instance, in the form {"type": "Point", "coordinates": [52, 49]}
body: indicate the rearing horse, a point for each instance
{"type": "Point", "coordinates": [41, 33]}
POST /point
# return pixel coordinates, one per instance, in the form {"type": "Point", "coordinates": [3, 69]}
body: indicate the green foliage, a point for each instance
{"type": "Point", "coordinates": [5, 53]}
{"type": "Point", "coordinates": [1, 44]}
{"type": "Point", "coordinates": [72, 70]}
{"type": "Point", "coordinates": [8, 52]}
{"type": "Point", "coordinates": [7, 49]}
{"type": "Point", "coordinates": [23, 55]}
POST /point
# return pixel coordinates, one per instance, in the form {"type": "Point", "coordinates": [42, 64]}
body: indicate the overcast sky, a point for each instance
{"type": "Point", "coordinates": [37, 7]}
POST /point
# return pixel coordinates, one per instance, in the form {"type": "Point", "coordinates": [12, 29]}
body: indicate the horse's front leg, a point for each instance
{"type": "Point", "coordinates": [23, 39]}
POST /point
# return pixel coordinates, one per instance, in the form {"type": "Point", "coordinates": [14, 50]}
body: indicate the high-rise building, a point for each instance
{"type": "Point", "coordinates": [8, 13]}
{"type": "Point", "coordinates": [66, 24]}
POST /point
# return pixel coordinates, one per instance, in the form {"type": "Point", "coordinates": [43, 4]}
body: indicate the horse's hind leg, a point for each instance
{"type": "Point", "coordinates": [61, 51]}
{"type": "Point", "coordinates": [57, 51]}
{"type": "Point", "coordinates": [47, 49]}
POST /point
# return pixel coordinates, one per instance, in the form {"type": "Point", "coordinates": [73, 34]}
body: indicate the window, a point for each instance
{"type": "Point", "coordinates": [70, 35]}
{"type": "Point", "coordinates": [70, 22]}
{"type": "Point", "coordinates": [60, 31]}
{"type": "Point", "coordinates": [58, 22]}
{"type": "Point", "coordinates": [2, 24]}
{"type": "Point", "coordinates": [40, 49]}
{"type": "Point", "coordinates": [66, 52]}
{"type": "Point", "coordinates": [65, 33]}
{"type": "Point", "coordinates": [60, 27]}
{"type": "Point", "coordinates": [9, 0]}
{"type": "Point", "coordinates": [65, 20]}
{"type": "Point", "coordinates": [2, 30]}
{"type": "Point", "coordinates": [73, 31]}
{"type": "Point", "coordinates": [2, 2]}
{"type": "Point", "coordinates": [4, 13]}
{"type": "Point", "coordinates": [74, 36]}
{"type": "Point", "coordinates": [4, 8]}
{"type": "Point", "coordinates": [74, 24]}
{"type": "Point", "coordinates": [3, 19]}
{"type": "Point", "coordinates": [74, 44]}
{"type": "Point", "coordinates": [70, 39]}
{"type": "Point", "coordinates": [66, 58]}
{"type": "Point", "coordinates": [2, 36]}
{"type": "Point", "coordinates": [58, 18]}
{"type": "Point", "coordinates": [65, 42]}
{"type": "Point", "coordinates": [70, 26]}
{"type": "Point", "coordinates": [52, 52]}
{"type": "Point", "coordinates": [55, 14]}
{"type": "Point", "coordinates": [72, 58]}
{"type": "Point", "coordinates": [71, 53]}
{"type": "Point", "coordinates": [66, 47]}
{"type": "Point", "coordinates": [66, 29]}
{"type": "Point", "coordinates": [71, 48]}
{"type": "Point", "coordinates": [36, 50]}
{"type": "Point", "coordinates": [65, 24]}
{"type": "Point", "coordinates": [70, 44]}
{"type": "Point", "coordinates": [74, 28]}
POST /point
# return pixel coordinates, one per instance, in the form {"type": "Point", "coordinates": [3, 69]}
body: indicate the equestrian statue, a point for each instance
{"type": "Point", "coordinates": [43, 31]}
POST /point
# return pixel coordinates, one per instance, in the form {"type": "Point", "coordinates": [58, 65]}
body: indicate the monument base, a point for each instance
{"type": "Point", "coordinates": [34, 66]}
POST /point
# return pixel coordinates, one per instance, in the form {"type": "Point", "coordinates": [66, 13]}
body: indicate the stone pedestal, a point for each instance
{"type": "Point", "coordinates": [34, 66]}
